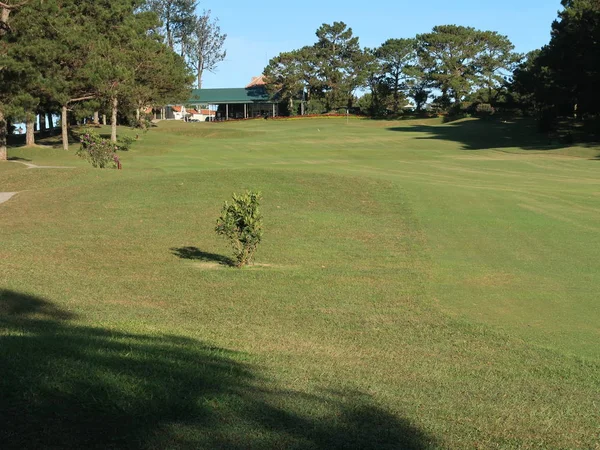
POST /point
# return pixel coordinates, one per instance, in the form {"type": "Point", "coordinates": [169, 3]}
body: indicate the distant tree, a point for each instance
{"type": "Point", "coordinates": [339, 60]}
{"type": "Point", "coordinates": [571, 60]}
{"type": "Point", "coordinates": [285, 75]}
{"type": "Point", "coordinates": [162, 78]}
{"type": "Point", "coordinates": [177, 18]}
{"type": "Point", "coordinates": [143, 70]}
{"type": "Point", "coordinates": [206, 45]}
{"type": "Point", "coordinates": [529, 85]}
{"type": "Point", "coordinates": [328, 72]}
{"type": "Point", "coordinates": [418, 85]}
{"type": "Point", "coordinates": [494, 63]}
{"type": "Point", "coordinates": [396, 56]}
{"type": "Point", "coordinates": [374, 102]}
{"type": "Point", "coordinates": [457, 59]}
{"type": "Point", "coordinates": [447, 55]}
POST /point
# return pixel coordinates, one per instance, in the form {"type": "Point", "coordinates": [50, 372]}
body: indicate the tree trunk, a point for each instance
{"type": "Point", "coordinates": [397, 95]}
{"type": "Point", "coordinates": [64, 126]}
{"type": "Point", "coordinates": [50, 121]}
{"type": "Point", "coordinates": [96, 118]}
{"type": "Point", "coordinates": [113, 120]}
{"type": "Point", "coordinates": [200, 69]}
{"type": "Point", "coordinates": [29, 132]}
{"type": "Point", "coordinates": [169, 34]}
{"type": "Point", "coordinates": [137, 115]}
{"type": "Point", "coordinates": [4, 21]}
{"type": "Point", "coordinates": [103, 119]}
{"type": "Point", "coordinates": [3, 156]}
{"type": "Point", "coordinates": [42, 122]}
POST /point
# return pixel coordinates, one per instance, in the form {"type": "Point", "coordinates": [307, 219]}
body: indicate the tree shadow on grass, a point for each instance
{"type": "Point", "coordinates": [64, 385]}
{"type": "Point", "coordinates": [46, 138]}
{"type": "Point", "coordinates": [484, 134]}
{"type": "Point", "coordinates": [196, 254]}
{"type": "Point", "coordinates": [16, 158]}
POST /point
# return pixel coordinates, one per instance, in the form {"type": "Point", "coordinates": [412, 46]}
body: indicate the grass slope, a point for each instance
{"type": "Point", "coordinates": [420, 286]}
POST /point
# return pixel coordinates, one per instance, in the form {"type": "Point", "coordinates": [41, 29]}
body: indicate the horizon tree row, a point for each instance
{"type": "Point", "coordinates": [561, 79]}
{"type": "Point", "coordinates": [448, 67]}
{"type": "Point", "coordinates": [455, 61]}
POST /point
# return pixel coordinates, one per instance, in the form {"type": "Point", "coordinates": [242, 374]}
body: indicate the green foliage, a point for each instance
{"type": "Point", "coordinates": [330, 70]}
{"type": "Point", "coordinates": [457, 59]}
{"type": "Point", "coordinates": [562, 78]}
{"type": "Point", "coordinates": [100, 152]}
{"type": "Point", "coordinates": [286, 75]}
{"type": "Point", "coordinates": [124, 143]}
{"type": "Point", "coordinates": [85, 56]}
{"type": "Point", "coordinates": [177, 19]}
{"type": "Point", "coordinates": [339, 63]}
{"type": "Point", "coordinates": [396, 56]}
{"type": "Point", "coordinates": [315, 106]}
{"type": "Point", "coordinates": [241, 223]}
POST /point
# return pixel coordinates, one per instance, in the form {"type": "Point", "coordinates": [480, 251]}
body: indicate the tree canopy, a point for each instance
{"type": "Point", "coordinates": [454, 60]}
{"type": "Point", "coordinates": [60, 53]}
{"type": "Point", "coordinates": [562, 78]}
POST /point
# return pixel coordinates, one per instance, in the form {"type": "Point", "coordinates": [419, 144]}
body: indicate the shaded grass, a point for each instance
{"type": "Point", "coordinates": [68, 386]}
{"type": "Point", "coordinates": [405, 317]}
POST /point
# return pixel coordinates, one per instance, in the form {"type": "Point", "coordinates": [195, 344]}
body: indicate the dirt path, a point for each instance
{"type": "Point", "coordinates": [35, 166]}
{"type": "Point", "coordinates": [5, 196]}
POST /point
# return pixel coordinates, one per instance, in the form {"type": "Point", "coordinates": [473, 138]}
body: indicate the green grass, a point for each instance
{"type": "Point", "coordinates": [420, 285]}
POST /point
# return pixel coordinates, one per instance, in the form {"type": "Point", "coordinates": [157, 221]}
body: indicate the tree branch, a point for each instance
{"type": "Point", "coordinates": [10, 7]}
{"type": "Point", "coordinates": [80, 99]}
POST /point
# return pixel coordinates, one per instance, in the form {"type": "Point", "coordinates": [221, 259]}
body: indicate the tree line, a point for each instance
{"type": "Point", "coordinates": [561, 79]}
{"type": "Point", "coordinates": [81, 58]}
{"type": "Point", "coordinates": [447, 69]}
{"type": "Point", "coordinates": [454, 61]}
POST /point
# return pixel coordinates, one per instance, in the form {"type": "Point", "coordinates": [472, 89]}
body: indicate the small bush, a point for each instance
{"type": "Point", "coordinates": [241, 223]}
{"type": "Point", "coordinates": [124, 143]}
{"type": "Point", "coordinates": [98, 151]}
{"type": "Point", "coordinates": [484, 109]}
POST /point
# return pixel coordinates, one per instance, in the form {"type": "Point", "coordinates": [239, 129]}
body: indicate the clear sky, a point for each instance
{"type": "Point", "coordinates": [258, 31]}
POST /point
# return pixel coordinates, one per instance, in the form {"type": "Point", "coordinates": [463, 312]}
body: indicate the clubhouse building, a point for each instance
{"type": "Point", "coordinates": [225, 104]}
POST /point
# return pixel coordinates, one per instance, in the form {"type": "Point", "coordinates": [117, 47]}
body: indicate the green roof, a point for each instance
{"type": "Point", "coordinates": [255, 94]}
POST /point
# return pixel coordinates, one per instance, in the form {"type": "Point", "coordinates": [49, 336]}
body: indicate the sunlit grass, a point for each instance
{"type": "Point", "coordinates": [420, 285]}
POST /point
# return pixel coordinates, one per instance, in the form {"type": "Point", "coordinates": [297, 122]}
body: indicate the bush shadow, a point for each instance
{"type": "Point", "coordinates": [490, 133]}
{"type": "Point", "coordinates": [194, 253]}
{"type": "Point", "coordinates": [64, 385]}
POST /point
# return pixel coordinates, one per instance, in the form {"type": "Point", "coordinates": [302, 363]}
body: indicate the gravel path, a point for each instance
{"type": "Point", "coordinates": [5, 196]}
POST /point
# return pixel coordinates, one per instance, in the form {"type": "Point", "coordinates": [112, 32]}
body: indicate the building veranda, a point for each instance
{"type": "Point", "coordinates": [248, 102]}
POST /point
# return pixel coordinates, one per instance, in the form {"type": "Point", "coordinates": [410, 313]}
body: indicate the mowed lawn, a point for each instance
{"type": "Point", "coordinates": [420, 285]}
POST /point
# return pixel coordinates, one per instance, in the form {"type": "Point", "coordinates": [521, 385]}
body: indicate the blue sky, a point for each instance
{"type": "Point", "coordinates": [257, 31]}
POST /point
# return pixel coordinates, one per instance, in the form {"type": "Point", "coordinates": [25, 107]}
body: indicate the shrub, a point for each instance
{"type": "Point", "coordinates": [98, 151]}
{"type": "Point", "coordinates": [124, 143]}
{"type": "Point", "coordinates": [484, 109]}
{"type": "Point", "coordinates": [241, 223]}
